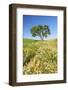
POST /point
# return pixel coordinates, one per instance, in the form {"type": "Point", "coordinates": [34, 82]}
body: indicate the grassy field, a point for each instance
{"type": "Point", "coordinates": [40, 57]}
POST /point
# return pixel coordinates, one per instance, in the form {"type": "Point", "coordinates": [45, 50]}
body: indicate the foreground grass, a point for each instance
{"type": "Point", "coordinates": [40, 57]}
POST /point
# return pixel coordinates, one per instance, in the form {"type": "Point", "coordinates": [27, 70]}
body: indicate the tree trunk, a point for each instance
{"type": "Point", "coordinates": [41, 37]}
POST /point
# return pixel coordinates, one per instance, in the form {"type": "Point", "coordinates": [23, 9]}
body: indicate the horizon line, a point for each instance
{"type": "Point", "coordinates": [40, 39]}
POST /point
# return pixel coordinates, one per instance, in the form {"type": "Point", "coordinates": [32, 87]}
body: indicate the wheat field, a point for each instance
{"type": "Point", "coordinates": [39, 56]}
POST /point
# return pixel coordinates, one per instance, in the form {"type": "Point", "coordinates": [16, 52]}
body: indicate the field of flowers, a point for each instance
{"type": "Point", "coordinates": [40, 57]}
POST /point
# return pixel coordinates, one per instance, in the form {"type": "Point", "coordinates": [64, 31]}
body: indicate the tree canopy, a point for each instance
{"type": "Point", "coordinates": [41, 31]}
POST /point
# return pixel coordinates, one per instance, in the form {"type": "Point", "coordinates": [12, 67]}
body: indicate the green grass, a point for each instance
{"type": "Point", "coordinates": [28, 41]}
{"type": "Point", "coordinates": [40, 57]}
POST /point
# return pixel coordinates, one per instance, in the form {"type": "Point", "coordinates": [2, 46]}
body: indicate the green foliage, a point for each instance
{"type": "Point", "coordinates": [40, 57]}
{"type": "Point", "coordinates": [41, 31]}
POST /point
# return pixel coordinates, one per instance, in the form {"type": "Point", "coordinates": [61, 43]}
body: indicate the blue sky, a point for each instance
{"type": "Point", "coordinates": [31, 20]}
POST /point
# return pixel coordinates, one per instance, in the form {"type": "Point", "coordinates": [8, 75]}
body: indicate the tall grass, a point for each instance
{"type": "Point", "coordinates": [40, 57]}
